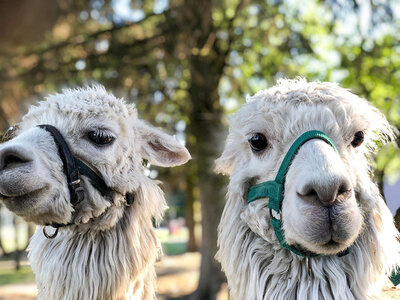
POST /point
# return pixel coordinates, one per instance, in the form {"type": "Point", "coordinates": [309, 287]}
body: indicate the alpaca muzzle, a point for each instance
{"type": "Point", "coordinates": [73, 169]}
{"type": "Point", "coordinates": [275, 190]}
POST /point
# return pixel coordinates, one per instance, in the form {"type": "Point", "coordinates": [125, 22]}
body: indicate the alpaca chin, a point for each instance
{"type": "Point", "coordinates": [323, 231]}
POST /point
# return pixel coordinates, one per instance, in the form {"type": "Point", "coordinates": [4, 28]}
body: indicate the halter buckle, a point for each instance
{"type": "Point", "coordinates": [75, 182]}
{"type": "Point", "coordinates": [274, 214]}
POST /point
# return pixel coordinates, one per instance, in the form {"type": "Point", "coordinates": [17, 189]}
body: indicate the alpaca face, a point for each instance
{"type": "Point", "coordinates": [102, 131]}
{"type": "Point", "coordinates": [322, 210]}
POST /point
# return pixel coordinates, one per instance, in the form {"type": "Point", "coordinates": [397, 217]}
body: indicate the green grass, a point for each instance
{"type": "Point", "coordinates": [10, 275]}
{"type": "Point", "coordinates": [171, 244]}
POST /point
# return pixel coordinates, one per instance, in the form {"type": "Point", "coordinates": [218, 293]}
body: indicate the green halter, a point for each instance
{"type": "Point", "coordinates": [395, 277]}
{"type": "Point", "coordinates": [274, 190]}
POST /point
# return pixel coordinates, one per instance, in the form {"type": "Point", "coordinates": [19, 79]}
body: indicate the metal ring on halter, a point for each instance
{"type": "Point", "coordinates": [274, 214]}
{"type": "Point", "coordinates": [50, 236]}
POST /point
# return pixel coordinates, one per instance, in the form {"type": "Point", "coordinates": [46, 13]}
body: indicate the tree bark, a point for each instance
{"type": "Point", "coordinates": [206, 68]}
{"type": "Point", "coordinates": [189, 207]}
{"type": "Point", "coordinates": [207, 127]}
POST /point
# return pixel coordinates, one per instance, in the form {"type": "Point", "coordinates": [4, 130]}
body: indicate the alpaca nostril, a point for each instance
{"type": "Point", "coordinates": [308, 194]}
{"type": "Point", "coordinates": [13, 157]}
{"type": "Point", "coordinates": [326, 194]}
{"type": "Point", "coordinates": [345, 190]}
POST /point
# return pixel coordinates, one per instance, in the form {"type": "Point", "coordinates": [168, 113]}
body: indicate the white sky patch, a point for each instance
{"type": "Point", "coordinates": [102, 46]}
{"type": "Point", "coordinates": [124, 10]}
{"type": "Point", "coordinates": [80, 65]}
{"type": "Point", "coordinates": [180, 126]}
{"type": "Point", "coordinates": [84, 15]}
{"type": "Point", "coordinates": [94, 13]}
{"type": "Point", "coordinates": [231, 104]}
{"type": "Point", "coordinates": [181, 138]}
{"type": "Point", "coordinates": [338, 75]}
{"type": "Point", "coordinates": [160, 6]}
{"type": "Point", "coordinates": [364, 16]}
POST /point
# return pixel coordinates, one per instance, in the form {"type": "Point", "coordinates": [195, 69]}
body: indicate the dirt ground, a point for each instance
{"type": "Point", "coordinates": [177, 276]}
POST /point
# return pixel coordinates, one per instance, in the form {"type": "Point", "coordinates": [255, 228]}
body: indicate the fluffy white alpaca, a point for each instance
{"type": "Point", "coordinates": [109, 250]}
{"type": "Point", "coordinates": [330, 201]}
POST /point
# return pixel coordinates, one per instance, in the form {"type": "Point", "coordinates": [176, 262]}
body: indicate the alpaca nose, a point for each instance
{"type": "Point", "coordinates": [327, 193]}
{"type": "Point", "coordinates": [13, 157]}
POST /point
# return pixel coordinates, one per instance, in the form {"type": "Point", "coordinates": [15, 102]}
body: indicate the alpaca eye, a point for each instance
{"type": "Point", "coordinates": [100, 137]}
{"type": "Point", "coordinates": [358, 139]}
{"type": "Point", "coordinates": [258, 142]}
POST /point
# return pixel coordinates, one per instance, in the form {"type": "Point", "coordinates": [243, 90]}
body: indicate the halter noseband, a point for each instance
{"type": "Point", "coordinates": [275, 190]}
{"type": "Point", "coordinates": [73, 169]}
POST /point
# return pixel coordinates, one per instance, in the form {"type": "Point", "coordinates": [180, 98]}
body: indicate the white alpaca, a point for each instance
{"type": "Point", "coordinates": [109, 249]}
{"type": "Point", "coordinates": [330, 202]}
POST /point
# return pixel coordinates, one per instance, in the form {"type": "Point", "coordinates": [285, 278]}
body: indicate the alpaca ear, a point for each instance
{"type": "Point", "coordinates": [226, 163]}
{"type": "Point", "coordinates": [159, 148]}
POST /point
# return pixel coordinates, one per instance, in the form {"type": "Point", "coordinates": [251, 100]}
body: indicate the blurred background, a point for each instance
{"type": "Point", "coordinates": [187, 65]}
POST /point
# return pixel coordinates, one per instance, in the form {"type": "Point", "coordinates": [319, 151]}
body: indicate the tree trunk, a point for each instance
{"type": "Point", "coordinates": [206, 126]}
{"type": "Point", "coordinates": [206, 68]}
{"type": "Point", "coordinates": [189, 208]}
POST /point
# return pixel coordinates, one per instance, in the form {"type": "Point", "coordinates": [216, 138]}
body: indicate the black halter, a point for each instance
{"type": "Point", "coordinates": [73, 168]}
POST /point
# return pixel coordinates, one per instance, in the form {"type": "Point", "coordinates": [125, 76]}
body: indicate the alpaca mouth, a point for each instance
{"type": "Point", "coordinates": [22, 196]}
{"type": "Point", "coordinates": [332, 243]}
{"type": "Point", "coordinates": [4, 197]}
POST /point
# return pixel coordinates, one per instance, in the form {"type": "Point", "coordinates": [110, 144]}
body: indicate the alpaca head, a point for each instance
{"type": "Point", "coordinates": [102, 131]}
{"type": "Point", "coordinates": [323, 206]}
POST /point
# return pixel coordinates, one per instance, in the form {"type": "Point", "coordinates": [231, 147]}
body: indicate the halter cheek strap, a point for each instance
{"type": "Point", "coordinates": [275, 190]}
{"type": "Point", "coordinates": [395, 277]}
{"type": "Point", "coordinates": [73, 169]}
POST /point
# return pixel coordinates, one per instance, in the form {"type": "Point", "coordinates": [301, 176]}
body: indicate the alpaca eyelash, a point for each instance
{"type": "Point", "coordinates": [100, 137]}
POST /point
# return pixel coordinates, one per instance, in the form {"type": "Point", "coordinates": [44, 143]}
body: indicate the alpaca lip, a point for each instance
{"type": "Point", "coordinates": [21, 196]}
{"type": "Point", "coordinates": [332, 243]}
{"type": "Point", "coordinates": [4, 197]}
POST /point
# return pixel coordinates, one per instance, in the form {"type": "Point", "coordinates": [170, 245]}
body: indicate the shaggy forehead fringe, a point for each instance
{"type": "Point", "coordinates": [92, 98]}
{"type": "Point", "coordinates": [298, 91]}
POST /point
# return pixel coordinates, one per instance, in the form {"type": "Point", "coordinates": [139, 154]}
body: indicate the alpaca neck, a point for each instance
{"type": "Point", "coordinates": [88, 264]}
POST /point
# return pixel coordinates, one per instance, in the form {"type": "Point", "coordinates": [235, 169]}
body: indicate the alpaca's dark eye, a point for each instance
{"type": "Point", "coordinates": [258, 142]}
{"type": "Point", "coordinates": [358, 139]}
{"type": "Point", "coordinates": [100, 137]}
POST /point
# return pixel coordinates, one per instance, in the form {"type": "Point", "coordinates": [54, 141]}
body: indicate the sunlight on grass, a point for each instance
{"type": "Point", "coordinates": [10, 275]}
{"type": "Point", "coordinates": [173, 244]}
